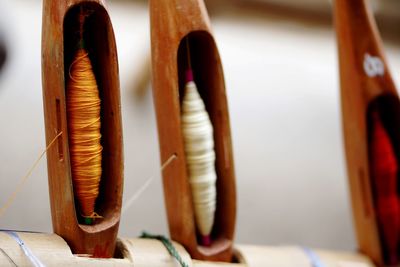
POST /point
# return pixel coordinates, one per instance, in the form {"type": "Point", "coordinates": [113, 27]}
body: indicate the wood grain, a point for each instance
{"type": "Point", "coordinates": [59, 41]}
{"type": "Point", "coordinates": [52, 250]}
{"type": "Point", "coordinates": [171, 22]}
{"type": "Point", "coordinates": [357, 37]}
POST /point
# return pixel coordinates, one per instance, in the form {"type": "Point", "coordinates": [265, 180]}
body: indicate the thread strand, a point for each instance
{"type": "Point", "coordinates": [143, 188]}
{"type": "Point", "coordinates": [22, 182]}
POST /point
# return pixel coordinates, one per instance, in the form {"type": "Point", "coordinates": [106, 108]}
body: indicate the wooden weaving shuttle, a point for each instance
{"type": "Point", "coordinates": [366, 85]}
{"type": "Point", "coordinates": [173, 22]}
{"type": "Point", "coordinates": [61, 23]}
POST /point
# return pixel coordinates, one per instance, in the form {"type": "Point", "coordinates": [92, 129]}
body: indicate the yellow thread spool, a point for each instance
{"type": "Point", "coordinates": [83, 109]}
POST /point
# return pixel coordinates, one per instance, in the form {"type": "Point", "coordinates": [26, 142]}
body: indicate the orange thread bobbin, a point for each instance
{"type": "Point", "coordinates": [83, 108]}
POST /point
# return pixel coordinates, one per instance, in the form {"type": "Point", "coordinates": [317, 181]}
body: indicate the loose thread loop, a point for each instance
{"type": "Point", "coordinates": [22, 182]}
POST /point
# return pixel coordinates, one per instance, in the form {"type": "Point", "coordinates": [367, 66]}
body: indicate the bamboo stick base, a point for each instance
{"type": "Point", "coordinates": [52, 250]}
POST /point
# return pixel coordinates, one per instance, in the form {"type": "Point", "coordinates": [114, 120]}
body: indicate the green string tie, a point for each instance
{"type": "Point", "coordinates": [168, 245]}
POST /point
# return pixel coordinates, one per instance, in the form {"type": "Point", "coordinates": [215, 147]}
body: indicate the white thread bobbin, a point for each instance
{"type": "Point", "coordinates": [200, 157]}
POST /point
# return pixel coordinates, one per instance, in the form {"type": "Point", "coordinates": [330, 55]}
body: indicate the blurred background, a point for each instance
{"type": "Point", "coordinates": [280, 65]}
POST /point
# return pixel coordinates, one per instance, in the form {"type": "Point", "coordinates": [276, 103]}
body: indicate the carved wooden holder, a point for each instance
{"type": "Point", "coordinates": [365, 80]}
{"type": "Point", "coordinates": [59, 41]}
{"type": "Point", "coordinates": [171, 22]}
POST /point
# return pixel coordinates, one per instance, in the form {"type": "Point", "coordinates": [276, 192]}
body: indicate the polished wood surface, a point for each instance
{"type": "Point", "coordinates": [171, 22]}
{"type": "Point", "coordinates": [364, 77]}
{"type": "Point", "coordinates": [59, 40]}
{"type": "Point", "coordinates": [52, 250]}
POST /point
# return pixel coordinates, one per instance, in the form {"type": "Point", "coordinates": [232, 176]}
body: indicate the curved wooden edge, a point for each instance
{"type": "Point", "coordinates": [359, 43]}
{"type": "Point", "coordinates": [98, 239]}
{"type": "Point", "coordinates": [171, 22]}
{"type": "Point", "coordinates": [364, 76]}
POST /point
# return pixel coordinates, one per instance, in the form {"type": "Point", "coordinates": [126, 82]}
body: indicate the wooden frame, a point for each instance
{"type": "Point", "coordinates": [60, 27]}
{"type": "Point", "coordinates": [364, 79]}
{"type": "Point", "coordinates": [171, 22]}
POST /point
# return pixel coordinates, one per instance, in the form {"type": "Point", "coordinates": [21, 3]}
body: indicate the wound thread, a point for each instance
{"type": "Point", "coordinates": [200, 157]}
{"type": "Point", "coordinates": [198, 140]}
{"type": "Point", "coordinates": [384, 169]}
{"type": "Point", "coordinates": [84, 123]}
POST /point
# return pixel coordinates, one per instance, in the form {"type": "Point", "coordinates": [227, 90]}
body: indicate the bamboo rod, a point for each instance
{"type": "Point", "coordinates": [52, 250]}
